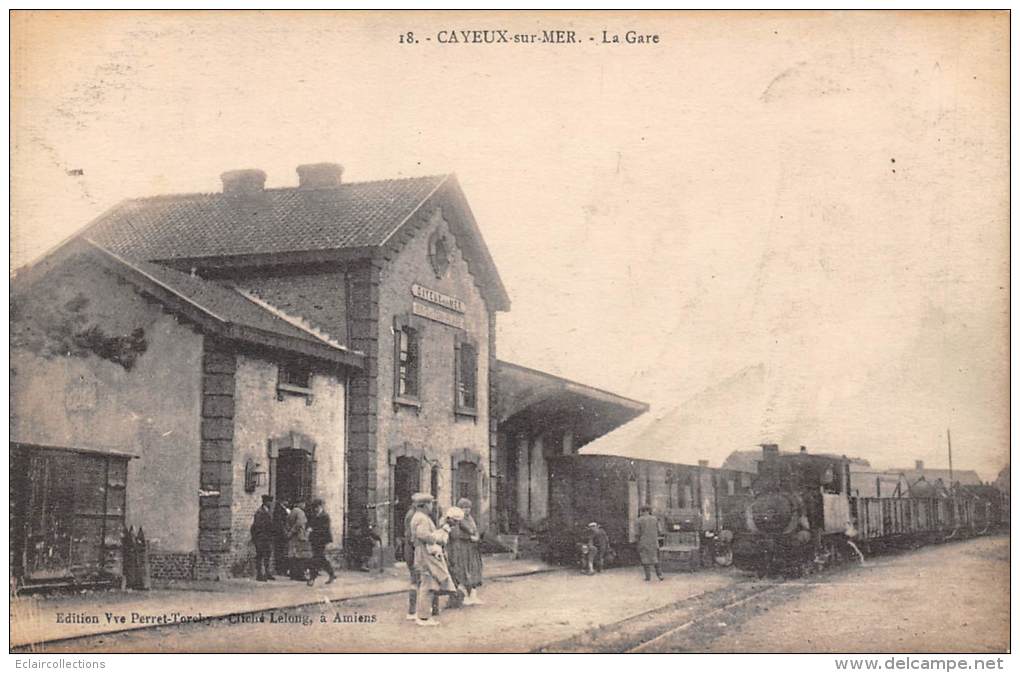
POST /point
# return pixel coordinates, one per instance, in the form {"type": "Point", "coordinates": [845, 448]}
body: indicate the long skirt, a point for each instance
{"type": "Point", "coordinates": [465, 563]}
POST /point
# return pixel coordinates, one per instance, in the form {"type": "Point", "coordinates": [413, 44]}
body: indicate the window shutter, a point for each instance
{"type": "Point", "coordinates": [457, 375]}
{"type": "Point", "coordinates": [398, 333]}
{"type": "Point", "coordinates": [455, 494]}
{"type": "Point", "coordinates": [312, 465]}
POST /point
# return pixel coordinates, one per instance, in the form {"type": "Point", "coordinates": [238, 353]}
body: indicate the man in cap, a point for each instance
{"type": "Point", "coordinates": [598, 548]}
{"type": "Point", "coordinates": [412, 593]}
{"type": "Point", "coordinates": [319, 535]}
{"type": "Point", "coordinates": [429, 558]}
{"type": "Point", "coordinates": [262, 535]}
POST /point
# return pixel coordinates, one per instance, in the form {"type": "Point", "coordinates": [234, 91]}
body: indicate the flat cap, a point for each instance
{"type": "Point", "coordinates": [421, 498]}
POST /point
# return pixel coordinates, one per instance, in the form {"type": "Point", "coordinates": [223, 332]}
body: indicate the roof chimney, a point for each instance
{"type": "Point", "coordinates": [803, 449]}
{"type": "Point", "coordinates": [769, 450]}
{"type": "Point", "coordinates": [918, 464]}
{"type": "Point", "coordinates": [244, 182]}
{"type": "Point", "coordinates": [319, 176]}
{"type": "Point", "coordinates": [702, 463]}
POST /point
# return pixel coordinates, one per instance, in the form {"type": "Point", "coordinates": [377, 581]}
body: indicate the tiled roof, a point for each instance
{"type": "Point", "coordinates": [223, 302]}
{"type": "Point", "coordinates": [360, 214]}
{"type": "Point", "coordinates": [226, 305]}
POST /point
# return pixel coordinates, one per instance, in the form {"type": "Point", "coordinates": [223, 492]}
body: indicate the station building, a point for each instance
{"type": "Point", "coordinates": [183, 355]}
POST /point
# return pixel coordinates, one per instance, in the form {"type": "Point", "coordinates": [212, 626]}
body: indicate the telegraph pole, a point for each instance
{"type": "Point", "coordinates": [949, 443]}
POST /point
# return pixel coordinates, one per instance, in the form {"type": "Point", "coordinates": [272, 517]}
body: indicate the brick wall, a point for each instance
{"type": "Point", "coordinates": [363, 316]}
{"type": "Point", "coordinates": [219, 365]}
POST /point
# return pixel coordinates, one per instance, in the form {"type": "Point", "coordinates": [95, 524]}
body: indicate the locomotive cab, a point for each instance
{"type": "Point", "coordinates": [797, 500]}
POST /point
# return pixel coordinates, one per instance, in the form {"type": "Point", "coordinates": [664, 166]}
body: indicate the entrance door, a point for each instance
{"type": "Point", "coordinates": [294, 477]}
{"type": "Point", "coordinates": [406, 482]}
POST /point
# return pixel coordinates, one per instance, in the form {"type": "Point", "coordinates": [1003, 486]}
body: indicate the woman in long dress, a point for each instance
{"type": "Point", "coordinates": [465, 555]}
{"type": "Point", "coordinates": [299, 549]}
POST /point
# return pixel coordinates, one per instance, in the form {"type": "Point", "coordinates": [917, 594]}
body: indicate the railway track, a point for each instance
{"type": "Point", "coordinates": [663, 638]}
{"type": "Point", "coordinates": [653, 628]}
{"type": "Point", "coordinates": [688, 624]}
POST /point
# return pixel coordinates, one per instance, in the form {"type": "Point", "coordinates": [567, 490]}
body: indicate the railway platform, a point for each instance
{"type": "Point", "coordinates": [39, 619]}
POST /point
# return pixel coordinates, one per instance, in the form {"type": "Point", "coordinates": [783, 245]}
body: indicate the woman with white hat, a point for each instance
{"type": "Point", "coordinates": [463, 552]}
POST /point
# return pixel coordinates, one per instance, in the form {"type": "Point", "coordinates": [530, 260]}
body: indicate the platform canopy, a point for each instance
{"type": "Point", "coordinates": [531, 400]}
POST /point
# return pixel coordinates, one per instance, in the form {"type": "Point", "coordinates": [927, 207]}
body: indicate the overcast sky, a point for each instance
{"type": "Point", "coordinates": [819, 199]}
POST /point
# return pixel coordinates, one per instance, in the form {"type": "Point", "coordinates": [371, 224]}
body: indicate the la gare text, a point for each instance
{"type": "Point", "coordinates": [540, 37]}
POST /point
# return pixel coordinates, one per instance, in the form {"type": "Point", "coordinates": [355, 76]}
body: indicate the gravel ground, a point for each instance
{"type": "Point", "coordinates": [947, 598]}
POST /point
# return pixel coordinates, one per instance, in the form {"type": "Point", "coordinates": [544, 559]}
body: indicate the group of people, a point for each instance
{"type": "Point", "coordinates": [442, 555]}
{"type": "Point", "coordinates": [443, 558]}
{"type": "Point", "coordinates": [597, 550]}
{"type": "Point", "coordinates": [290, 542]}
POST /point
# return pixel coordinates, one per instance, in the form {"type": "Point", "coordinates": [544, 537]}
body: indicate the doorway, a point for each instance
{"type": "Point", "coordinates": [406, 482]}
{"type": "Point", "coordinates": [294, 476]}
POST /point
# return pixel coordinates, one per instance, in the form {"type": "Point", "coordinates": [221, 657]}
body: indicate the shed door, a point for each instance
{"type": "Point", "coordinates": [50, 516]}
{"type": "Point", "coordinates": [73, 513]}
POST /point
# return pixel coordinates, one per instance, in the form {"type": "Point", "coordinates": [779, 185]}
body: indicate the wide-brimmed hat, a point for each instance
{"type": "Point", "coordinates": [316, 502]}
{"type": "Point", "coordinates": [593, 525]}
{"type": "Point", "coordinates": [455, 513]}
{"type": "Point", "coordinates": [421, 498]}
{"type": "Point", "coordinates": [267, 498]}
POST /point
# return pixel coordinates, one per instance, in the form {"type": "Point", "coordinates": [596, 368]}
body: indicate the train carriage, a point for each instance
{"type": "Point", "coordinates": [694, 503]}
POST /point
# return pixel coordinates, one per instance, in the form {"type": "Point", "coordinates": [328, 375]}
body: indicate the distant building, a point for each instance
{"type": "Point", "coordinates": [919, 471]}
{"type": "Point", "coordinates": [1002, 481]}
{"type": "Point", "coordinates": [873, 484]}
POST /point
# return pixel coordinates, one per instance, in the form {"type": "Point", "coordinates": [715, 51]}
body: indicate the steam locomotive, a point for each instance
{"type": "Point", "coordinates": [802, 515]}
